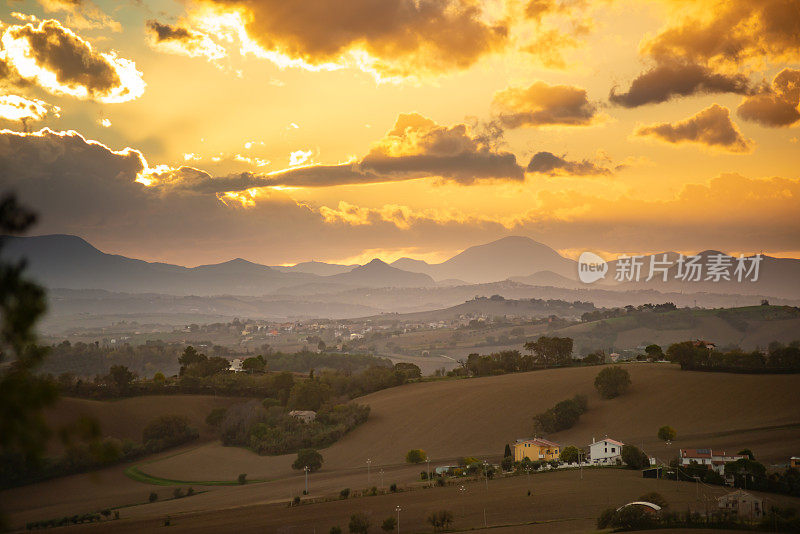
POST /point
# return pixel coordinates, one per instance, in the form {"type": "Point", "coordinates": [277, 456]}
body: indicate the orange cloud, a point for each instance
{"type": "Point", "coordinates": [776, 106]}
{"type": "Point", "coordinates": [178, 39]}
{"type": "Point", "coordinates": [393, 38]}
{"type": "Point", "coordinates": [541, 104]}
{"type": "Point", "coordinates": [702, 52]}
{"type": "Point", "coordinates": [59, 61]}
{"type": "Point", "coordinates": [711, 127]}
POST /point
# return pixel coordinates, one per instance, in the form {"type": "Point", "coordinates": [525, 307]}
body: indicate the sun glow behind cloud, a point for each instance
{"type": "Point", "coordinates": [26, 48]}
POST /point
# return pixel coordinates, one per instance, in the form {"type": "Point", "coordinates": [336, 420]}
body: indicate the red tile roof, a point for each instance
{"type": "Point", "coordinates": [541, 442]}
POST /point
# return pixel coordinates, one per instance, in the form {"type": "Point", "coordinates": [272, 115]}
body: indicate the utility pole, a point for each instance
{"type": "Point", "coordinates": [429, 471]}
{"type": "Point", "coordinates": [397, 509]}
{"type": "Point", "coordinates": [381, 472]}
{"type": "Point", "coordinates": [306, 470]}
{"type": "Point", "coordinates": [369, 462]}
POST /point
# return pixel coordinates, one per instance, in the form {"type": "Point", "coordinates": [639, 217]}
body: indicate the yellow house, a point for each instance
{"type": "Point", "coordinates": [536, 449]}
{"type": "Point", "coordinates": [794, 461]}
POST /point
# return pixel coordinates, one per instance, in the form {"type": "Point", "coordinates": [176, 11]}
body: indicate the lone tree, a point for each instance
{"type": "Point", "coordinates": [507, 452]}
{"type": "Point", "coordinates": [634, 457]}
{"type": "Point", "coordinates": [416, 456]}
{"type": "Point", "coordinates": [612, 382]}
{"type": "Point", "coordinates": [359, 524]}
{"type": "Point", "coordinates": [440, 520]}
{"type": "Point", "coordinates": [389, 524]}
{"type": "Point", "coordinates": [570, 454]}
{"type": "Point", "coordinates": [654, 352]}
{"type": "Point", "coordinates": [667, 433]}
{"type": "Point", "coordinates": [310, 458]}
{"type": "Point", "coordinates": [121, 377]}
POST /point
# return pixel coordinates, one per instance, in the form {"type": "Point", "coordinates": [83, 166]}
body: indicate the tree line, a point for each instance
{"type": "Point", "coordinates": [696, 355]}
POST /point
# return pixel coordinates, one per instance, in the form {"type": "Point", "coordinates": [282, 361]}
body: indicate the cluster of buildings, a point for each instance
{"type": "Point", "coordinates": [608, 451]}
{"type": "Point", "coordinates": [604, 452]}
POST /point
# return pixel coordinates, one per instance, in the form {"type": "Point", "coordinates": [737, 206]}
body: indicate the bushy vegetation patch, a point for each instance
{"type": "Point", "coordinates": [273, 431]}
{"type": "Point", "coordinates": [562, 416]}
{"type": "Point", "coordinates": [779, 358]}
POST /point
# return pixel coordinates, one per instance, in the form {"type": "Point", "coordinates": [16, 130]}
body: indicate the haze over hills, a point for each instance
{"type": "Point", "coordinates": [505, 258]}
{"type": "Point", "coordinates": [320, 268]}
{"type": "Point", "coordinates": [69, 262]}
{"type": "Point", "coordinates": [378, 273]}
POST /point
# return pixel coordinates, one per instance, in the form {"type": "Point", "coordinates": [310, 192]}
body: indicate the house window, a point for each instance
{"type": "Point", "coordinates": [605, 450]}
{"type": "Point", "coordinates": [613, 449]}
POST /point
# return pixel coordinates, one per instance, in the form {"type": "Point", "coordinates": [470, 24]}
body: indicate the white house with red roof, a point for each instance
{"type": "Point", "coordinates": [606, 451]}
{"type": "Point", "coordinates": [715, 459]}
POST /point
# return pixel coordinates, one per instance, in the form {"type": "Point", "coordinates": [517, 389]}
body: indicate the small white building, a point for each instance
{"type": "Point", "coordinates": [307, 416]}
{"type": "Point", "coordinates": [606, 451]}
{"type": "Point", "coordinates": [742, 504]}
{"type": "Point", "coordinates": [716, 460]}
{"type": "Point", "coordinates": [236, 365]}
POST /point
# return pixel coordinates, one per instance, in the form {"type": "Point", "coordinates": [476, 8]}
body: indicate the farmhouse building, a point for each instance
{"type": "Point", "coordinates": [236, 365]}
{"type": "Point", "coordinates": [306, 416]}
{"type": "Point", "coordinates": [742, 504]}
{"type": "Point", "coordinates": [715, 460]}
{"type": "Point", "coordinates": [536, 449]}
{"type": "Point", "coordinates": [606, 451]}
{"type": "Point", "coordinates": [794, 461]}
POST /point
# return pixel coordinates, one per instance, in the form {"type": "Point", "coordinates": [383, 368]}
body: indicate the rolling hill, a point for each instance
{"type": "Point", "coordinates": [505, 258]}
{"type": "Point", "coordinates": [456, 418]}
{"type": "Point", "coordinates": [378, 273]}
{"type": "Point", "coordinates": [69, 262]}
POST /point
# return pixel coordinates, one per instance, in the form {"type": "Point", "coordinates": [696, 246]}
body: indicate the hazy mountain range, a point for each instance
{"type": "Point", "coordinates": [69, 262]}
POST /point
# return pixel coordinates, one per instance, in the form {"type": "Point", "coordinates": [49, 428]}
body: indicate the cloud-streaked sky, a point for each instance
{"type": "Point", "coordinates": [200, 130]}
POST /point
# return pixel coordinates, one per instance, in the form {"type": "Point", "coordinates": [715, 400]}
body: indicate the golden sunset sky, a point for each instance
{"type": "Point", "coordinates": [283, 131]}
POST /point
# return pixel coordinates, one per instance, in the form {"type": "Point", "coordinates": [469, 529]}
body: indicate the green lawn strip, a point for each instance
{"type": "Point", "coordinates": [526, 523]}
{"type": "Point", "coordinates": [134, 473]}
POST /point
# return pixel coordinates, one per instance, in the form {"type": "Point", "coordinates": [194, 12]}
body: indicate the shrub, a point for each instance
{"type": "Point", "coordinates": [106, 512]}
{"type": "Point", "coordinates": [440, 520]}
{"type": "Point", "coordinates": [359, 524]}
{"type": "Point", "coordinates": [177, 493]}
{"type": "Point", "coordinates": [335, 530]}
{"type": "Point", "coordinates": [612, 382]}
{"type": "Point", "coordinates": [296, 500]}
{"type": "Point", "coordinates": [153, 496]}
{"type": "Point", "coordinates": [570, 454]}
{"type": "Point", "coordinates": [190, 492]}
{"type": "Point", "coordinates": [655, 498]}
{"type": "Point", "coordinates": [667, 433]}
{"type": "Point", "coordinates": [393, 488]}
{"type": "Point", "coordinates": [440, 482]}
{"type": "Point", "coordinates": [423, 475]}
{"type": "Point", "coordinates": [242, 478]}
{"type": "Point", "coordinates": [562, 416]}
{"type": "Point", "coordinates": [606, 518]}
{"type": "Point", "coordinates": [345, 493]}
{"type": "Point", "coordinates": [634, 458]}
{"type": "Point", "coordinates": [310, 458]}
{"type": "Point", "coordinates": [416, 456]}
{"type": "Point", "coordinates": [167, 431]}
{"type": "Point", "coordinates": [507, 464]}
{"type": "Point", "coordinates": [389, 524]}
{"type": "Point", "coordinates": [215, 417]}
